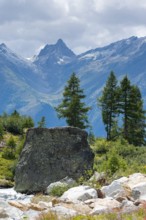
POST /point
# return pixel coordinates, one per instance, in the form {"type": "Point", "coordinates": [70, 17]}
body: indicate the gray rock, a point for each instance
{"type": "Point", "coordinates": [63, 211]}
{"type": "Point", "coordinates": [128, 207]}
{"type": "Point", "coordinates": [139, 191]}
{"type": "Point", "coordinates": [135, 179]}
{"type": "Point", "coordinates": [105, 205]}
{"type": "Point", "coordinates": [80, 193]}
{"type": "Point", "coordinates": [50, 155]}
{"type": "Point", "coordinates": [116, 188]}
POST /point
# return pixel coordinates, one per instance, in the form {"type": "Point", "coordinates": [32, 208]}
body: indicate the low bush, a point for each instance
{"type": "Point", "coordinates": [5, 169]}
{"type": "Point", "coordinates": [101, 146]}
{"type": "Point", "coordinates": [8, 154]}
{"type": "Point", "coordinates": [58, 190]}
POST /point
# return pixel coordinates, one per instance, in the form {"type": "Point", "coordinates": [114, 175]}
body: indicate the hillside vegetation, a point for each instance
{"type": "Point", "coordinates": [118, 158]}
{"type": "Point", "coordinates": [114, 158]}
{"type": "Point", "coordinates": [12, 136]}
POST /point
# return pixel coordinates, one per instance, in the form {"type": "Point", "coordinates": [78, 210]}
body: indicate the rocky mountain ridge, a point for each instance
{"type": "Point", "coordinates": [35, 87]}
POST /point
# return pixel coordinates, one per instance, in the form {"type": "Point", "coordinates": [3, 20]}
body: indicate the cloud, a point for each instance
{"type": "Point", "coordinates": [26, 25]}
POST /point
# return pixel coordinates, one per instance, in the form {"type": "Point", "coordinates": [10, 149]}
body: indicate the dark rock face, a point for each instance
{"type": "Point", "coordinates": [50, 155]}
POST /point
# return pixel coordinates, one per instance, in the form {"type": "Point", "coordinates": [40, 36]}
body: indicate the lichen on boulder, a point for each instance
{"type": "Point", "coordinates": [50, 155]}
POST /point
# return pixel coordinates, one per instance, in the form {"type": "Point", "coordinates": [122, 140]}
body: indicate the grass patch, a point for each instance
{"type": "Point", "coordinates": [40, 197]}
{"type": "Point", "coordinates": [48, 216]}
{"type": "Point", "coordinates": [139, 215]}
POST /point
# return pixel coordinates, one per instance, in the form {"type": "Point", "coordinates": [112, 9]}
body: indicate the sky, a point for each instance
{"type": "Point", "coordinates": [27, 25]}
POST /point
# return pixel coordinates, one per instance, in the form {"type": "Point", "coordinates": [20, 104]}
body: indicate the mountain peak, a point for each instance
{"type": "Point", "coordinates": [60, 42]}
{"type": "Point", "coordinates": [3, 45]}
{"type": "Point", "coordinates": [3, 48]}
{"type": "Point", "coordinates": [55, 53]}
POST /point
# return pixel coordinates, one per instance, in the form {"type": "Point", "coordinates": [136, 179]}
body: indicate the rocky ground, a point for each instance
{"type": "Point", "coordinates": [125, 195]}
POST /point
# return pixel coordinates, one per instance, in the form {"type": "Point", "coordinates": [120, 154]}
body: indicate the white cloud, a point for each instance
{"type": "Point", "coordinates": [25, 25]}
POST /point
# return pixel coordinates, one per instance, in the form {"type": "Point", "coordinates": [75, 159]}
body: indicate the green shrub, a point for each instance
{"type": "Point", "coordinates": [113, 163]}
{"type": "Point", "coordinates": [5, 169]}
{"type": "Point", "coordinates": [8, 154]}
{"type": "Point", "coordinates": [9, 151]}
{"type": "Point", "coordinates": [101, 146]}
{"type": "Point", "coordinates": [11, 143]}
{"type": "Point", "coordinates": [28, 122]}
{"type": "Point", "coordinates": [15, 123]}
{"type": "Point", "coordinates": [58, 190]}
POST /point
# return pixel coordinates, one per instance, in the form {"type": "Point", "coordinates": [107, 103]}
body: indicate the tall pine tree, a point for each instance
{"type": "Point", "coordinates": [124, 107]}
{"type": "Point", "coordinates": [72, 107]}
{"type": "Point", "coordinates": [109, 104]}
{"type": "Point", "coordinates": [132, 112]}
{"type": "Point", "coordinates": [136, 133]}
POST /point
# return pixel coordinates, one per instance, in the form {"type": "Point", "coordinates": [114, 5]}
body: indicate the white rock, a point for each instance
{"type": "Point", "coordinates": [61, 210]}
{"type": "Point", "coordinates": [81, 193]}
{"type": "Point", "coordinates": [135, 179]}
{"type": "Point", "coordinates": [143, 197]}
{"type": "Point", "coordinates": [128, 207]}
{"type": "Point", "coordinates": [139, 191]}
{"type": "Point", "coordinates": [116, 188]}
{"type": "Point", "coordinates": [11, 194]}
{"type": "Point", "coordinates": [105, 205]}
{"type": "Point", "coordinates": [99, 210]}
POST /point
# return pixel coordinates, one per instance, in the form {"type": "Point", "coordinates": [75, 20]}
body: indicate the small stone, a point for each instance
{"type": "Point", "coordinates": [100, 194]}
{"type": "Point", "coordinates": [3, 213]}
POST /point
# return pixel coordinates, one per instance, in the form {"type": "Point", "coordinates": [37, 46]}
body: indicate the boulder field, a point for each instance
{"type": "Point", "coordinates": [124, 195]}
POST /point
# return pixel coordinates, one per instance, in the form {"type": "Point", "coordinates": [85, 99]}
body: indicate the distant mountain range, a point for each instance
{"type": "Point", "coordinates": [34, 87]}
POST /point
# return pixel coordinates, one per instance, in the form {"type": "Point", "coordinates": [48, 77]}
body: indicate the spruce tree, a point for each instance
{"type": "Point", "coordinates": [125, 105]}
{"type": "Point", "coordinates": [72, 107]}
{"type": "Point", "coordinates": [132, 113]}
{"type": "Point", "coordinates": [42, 122]}
{"type": "Point", "coordinates": [109, 104]}
{"type": "Point", "coordinates": [137, 125]}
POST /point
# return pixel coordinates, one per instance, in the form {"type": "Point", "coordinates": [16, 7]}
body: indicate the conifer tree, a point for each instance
{"type": "Point", "coordinates": [109, 104]}
{"type": "Point", "coordinates": [132, 112]}
{"type": "Point", "coordinates": [125, 104]}
{"type": "Point", "coordinates": [136, 133]}
{"type": "Point", "coordinates": [42, 122]}
{"type": "Point", "coordinates": [72, 107]}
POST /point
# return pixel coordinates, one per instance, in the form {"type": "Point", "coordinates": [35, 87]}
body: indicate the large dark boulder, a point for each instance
{"type": "Point", "coordinates": [50, 155]}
